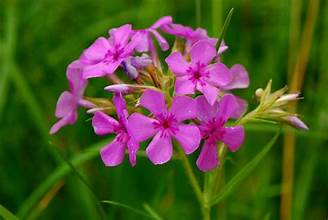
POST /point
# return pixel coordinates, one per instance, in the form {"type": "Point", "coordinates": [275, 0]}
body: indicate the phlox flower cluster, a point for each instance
{"type": "Point", "coordinates": [183, 100]}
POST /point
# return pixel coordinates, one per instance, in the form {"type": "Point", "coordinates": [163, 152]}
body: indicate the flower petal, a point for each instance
{"type": "Point", "coordinates": [240, 79]}
{"type": "Point", "coordinates": [120, 35]}
{"type": "Point", "coordinates": [120, 106]}
{"type": "Point", "coordinates": [66, 103]}
{"type": "Point", "coordinates": [241, 107]}
{"type": "Point", "coordinates": [154, 101]}
{"type": "Point", "coordinates": [160, 149]}
{"type": "Point", "coordinates": [69, 119]}
{"type": "Point", "coordinates": [103, 124]}
{"type": "Point", "coordinates": [97, 70]}
{"type": "Point", "coordinates": [205, 111]}
{"type": "Point", "coordinates": [161, 40]}
{"type": "Point", "coordinates": [184, 86]}
{"type": "Point", "coordinates": [208, 158]}
{"type": "Point", "coordinates": [96, 52]}
{"type": "Point", "coordinates": [233, 137]}
{"type": "Point", "coordinates": [219, 74]}
{"type": "Point", "coordinates": [143, 44]}
{"type": "Point", "coordinates": [162, 21]}
{"type": "Point", "coordinates": [210, 92]}
{"type": "Point", "coordinates": [141, 127]}
{"type": "Point", "coordinates": [183, 107]}
{"type": "Point", "coordinates": [135, 40]}
{"type": "Point", "coordinates": [188, 137]}
{"type": "Point", "coordinates": [113, 153]}
{"type": "Point", "coordinates": [202, 52]}
{"type": "Point", "coordinates": [227, 106]}
{"type": "Point", "coordinates": [133, 147]}
{"type": "Point", "coordinates": [177, 63]}
{"type": "Point", "coordinates": [76, 81]}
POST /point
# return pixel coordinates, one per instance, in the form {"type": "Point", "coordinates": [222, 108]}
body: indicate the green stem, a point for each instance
{"type": "Point", "coordinates": [192, 178]}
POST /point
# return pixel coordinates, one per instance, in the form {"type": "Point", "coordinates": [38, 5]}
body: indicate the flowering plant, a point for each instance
{"type": "Point", "coordinates": [186, 101]}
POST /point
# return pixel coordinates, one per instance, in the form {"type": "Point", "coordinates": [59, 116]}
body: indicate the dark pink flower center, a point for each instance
{"type": "Point", "coordinates": [212, 130]}
{"type": "Point", "coordinates": [114, 55]}
{"type": "Point", "coordinates": [122, 135]}
{"type": "Point", "coordinates": [167, 124]}
{"type": "Point", "coordinates": [197, 73]}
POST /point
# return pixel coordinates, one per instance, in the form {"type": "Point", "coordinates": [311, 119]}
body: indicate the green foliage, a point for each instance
{"type": "Point", "coordinates": [228, 188]}
{"type": "Point", "coordinates": [37, 41]}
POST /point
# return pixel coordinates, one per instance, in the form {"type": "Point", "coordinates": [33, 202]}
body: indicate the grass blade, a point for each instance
{"type": "Point", "coordinates": [242, 174]}
{"type": "Point", "coordinates": [137, 211]}
{"type": "Point", "coordinates": [151, 211]}
{"type": "Point", "coordinates": [225, 27]}
{"type": "Point", "coordinates": [57, 175]}
{"type": "Point", "coordinates": [6, 214]}
{"type": "Point", "coordinates": [7, 53]}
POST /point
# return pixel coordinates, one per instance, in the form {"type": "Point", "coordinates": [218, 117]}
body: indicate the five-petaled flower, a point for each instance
{"type": "Point", "coordinates": [105, 55]}
{"type": "Point", "coordinates": [199, 74]}
{"type": "Point", "coordinates": [165, 125]}
{"type": "Point", "coordinates": [213, 130]}
{"type": "Point", "coordinates": [113, 153]}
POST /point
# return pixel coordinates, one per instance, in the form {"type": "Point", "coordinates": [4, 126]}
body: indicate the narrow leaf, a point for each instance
{"type": "Point", "coordinates": [224, 28]}
{"type": "Point", "coordinates": [6, 214]}
{"type": "Point", "coordinates": [243, 173]}
{"type": "Point", "coordinates": [137, 211]}
{"type": "Point", "coordinates": [151, 211]}
{"type": "Point", "coordinates": [57, 175]}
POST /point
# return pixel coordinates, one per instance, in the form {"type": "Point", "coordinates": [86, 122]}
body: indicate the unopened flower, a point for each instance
{"type": "Point", "coordinates": [69, 101]}
{"type": "Point", "coordinates": [272, 107]}
{"type": "Point", "coordinates": [113, 153]}
{"type": "Point", "coordinates": [105, 55]}
{"type": "Point", "coordinates": [128, 88]}
{"type": "Point", "coordinates": [295, 122]}
{"type": "Point", "coordinates": [199, 74]}
{"type": "Point", "coordinates": [165, 125]}
{"type": "Point", "coordinates": [213, 130]}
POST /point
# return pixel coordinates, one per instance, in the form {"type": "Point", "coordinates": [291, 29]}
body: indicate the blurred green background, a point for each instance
{"type": "Point", "coordinates": [273, 39]}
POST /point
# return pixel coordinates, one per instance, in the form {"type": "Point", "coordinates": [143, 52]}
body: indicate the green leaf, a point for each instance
{"type": "Point", "coordinates": [243, 173]}
{"type": "Point", "coordinates": [137, 211]}
{"type": "Point", "coordinates": [57, 175]}
{"type": "Point", "coordinates": [6, 214]}
{"type": "Point", "coordinates": [7, 48]}
{"type": "Point", "coordinates": [225, 27]}
{"type": "Point", "coordinates": [151, 211]}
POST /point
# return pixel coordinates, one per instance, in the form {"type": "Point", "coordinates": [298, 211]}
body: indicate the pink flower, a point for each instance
{"type": "Point", "coordinates": [199, 74]}
{"type": "Point", "coordinates": [69, 101]}
{"type": "Point", "coordinates": [213, 119]}
{"type": "Point", "coordinates": [145, 44]}
{"type": "Point", "coordinates": [165, 125]}
{"type": "Point", "coordinates": [105, 55]}
{"type": "Point", "coordinates": [113, 153]}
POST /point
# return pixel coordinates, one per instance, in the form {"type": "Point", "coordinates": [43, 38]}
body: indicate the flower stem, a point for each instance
{"type": "Point", "coordinates": [194, 183]}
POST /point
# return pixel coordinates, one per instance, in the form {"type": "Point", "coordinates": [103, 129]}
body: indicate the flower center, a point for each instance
{"type": "Point", "coordinates": [212, 129]}
{"type": "Point", "coordinates": [113, 55]}
{"type": "Point", "coordinates": [167, 124]}
{"type": "Point", "coordinates": [122, 135]}
{"type": "Point", "coordinates": [197, 73]}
